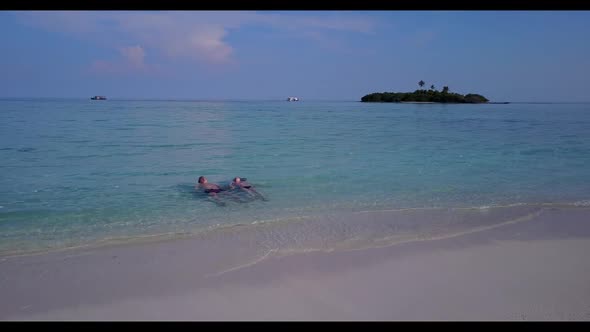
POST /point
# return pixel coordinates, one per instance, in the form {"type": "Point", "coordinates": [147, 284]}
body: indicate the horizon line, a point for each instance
{"type": "Point", "coordinates": [254, 99]}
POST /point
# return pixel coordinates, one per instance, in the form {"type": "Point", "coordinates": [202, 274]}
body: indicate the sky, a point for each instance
{"type": "Point", "coordinates": [528, 56]}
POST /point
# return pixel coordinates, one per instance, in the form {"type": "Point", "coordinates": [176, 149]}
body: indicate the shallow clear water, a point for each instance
{"type": "Point", "coordinates": [77, 171]}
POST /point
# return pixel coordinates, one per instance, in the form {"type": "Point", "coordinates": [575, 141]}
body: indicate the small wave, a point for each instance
{"type": "Point", "coordinates": [80, 157]}
{"type": "Point", "coordinates": [186, 145]}
{"type": "Point", "coordinates": [106, 146]}
{"type": "Point", "coordinates": [144, 125]}
{"type": "Point", "coordinates": [536, 151]}
{"type": "Point", "coordinates": [79, 141]}
{"type": "Point", "coordinates": [126, 154]}
{"type": "Point", "coordinates": [248, 264]}
{"type": "Point", "coordinates": [351, 244]}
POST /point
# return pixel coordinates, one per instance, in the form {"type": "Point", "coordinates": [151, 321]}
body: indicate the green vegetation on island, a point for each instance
{"type": "Point", "coordinates": [425, 96]}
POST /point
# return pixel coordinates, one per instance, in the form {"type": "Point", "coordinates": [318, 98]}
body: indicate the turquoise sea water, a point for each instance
{"type": "Point", "coordinates": [74, 172]}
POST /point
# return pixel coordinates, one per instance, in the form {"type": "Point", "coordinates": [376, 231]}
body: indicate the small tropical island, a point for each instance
{"type": "Point", "coordinates": [425, 96]}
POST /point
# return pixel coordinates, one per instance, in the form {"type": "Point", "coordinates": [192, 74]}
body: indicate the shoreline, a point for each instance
{"type": "Point", "coordinates": [211, 230]}
{"type": "Point", "coordinates": [435, 102]}
{"type": "Point", "coordinates": [430, 279]}
{"type": "Point", "coordinates": [420, 102]}
{"type": "Point", "coordinates": [204, 231]}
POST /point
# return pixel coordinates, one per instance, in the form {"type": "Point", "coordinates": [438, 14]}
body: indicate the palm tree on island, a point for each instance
{"type": "Point", "coordinates": [421, 83]}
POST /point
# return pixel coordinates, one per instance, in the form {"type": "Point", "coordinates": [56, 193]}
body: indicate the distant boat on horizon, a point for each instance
{"type": "Point", "coordinates": [293, 99]}
{"type": "Point", "coordinates": [98, 98]}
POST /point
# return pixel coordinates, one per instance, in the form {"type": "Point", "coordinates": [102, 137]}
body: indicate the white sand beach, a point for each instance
{"type": "Point", "coordinates": [531, 270]}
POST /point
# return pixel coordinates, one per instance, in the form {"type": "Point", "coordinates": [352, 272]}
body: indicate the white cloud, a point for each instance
{"type": "Point", "coordinates": [200, 36]}
{"type": "Point", "coordinates": [134, 55]}
{"type": "Point", "coordinates": [132, 61]}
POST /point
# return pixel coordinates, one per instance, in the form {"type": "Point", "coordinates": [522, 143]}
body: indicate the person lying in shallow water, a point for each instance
{"type": "Point", "coordinates": [239, 184]}
{"type": "Point", "coordinates": [208, 188]}
{"type": "Point", "coordinates": [212, 189]}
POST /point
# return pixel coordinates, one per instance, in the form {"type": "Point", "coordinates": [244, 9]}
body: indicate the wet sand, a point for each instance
{"type": "Point", "coordinates": [531, 270]}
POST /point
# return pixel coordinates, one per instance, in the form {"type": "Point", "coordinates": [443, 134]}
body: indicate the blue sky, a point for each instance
{"type": "Point", "coordinates": [335, 55]}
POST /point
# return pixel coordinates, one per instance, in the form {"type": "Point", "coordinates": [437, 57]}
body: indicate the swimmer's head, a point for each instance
{"type": "Point", "coordinates": [202, 179]}
{"type": "Point", "coordinates": [237, 180]}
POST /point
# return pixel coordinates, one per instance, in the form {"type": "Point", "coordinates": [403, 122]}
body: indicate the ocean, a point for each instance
{"type": "Point", "coordinates": [86, 173]}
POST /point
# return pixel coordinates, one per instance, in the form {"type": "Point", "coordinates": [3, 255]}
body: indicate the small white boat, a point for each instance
{"type": "Point", "coordinates": [292, 99]}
